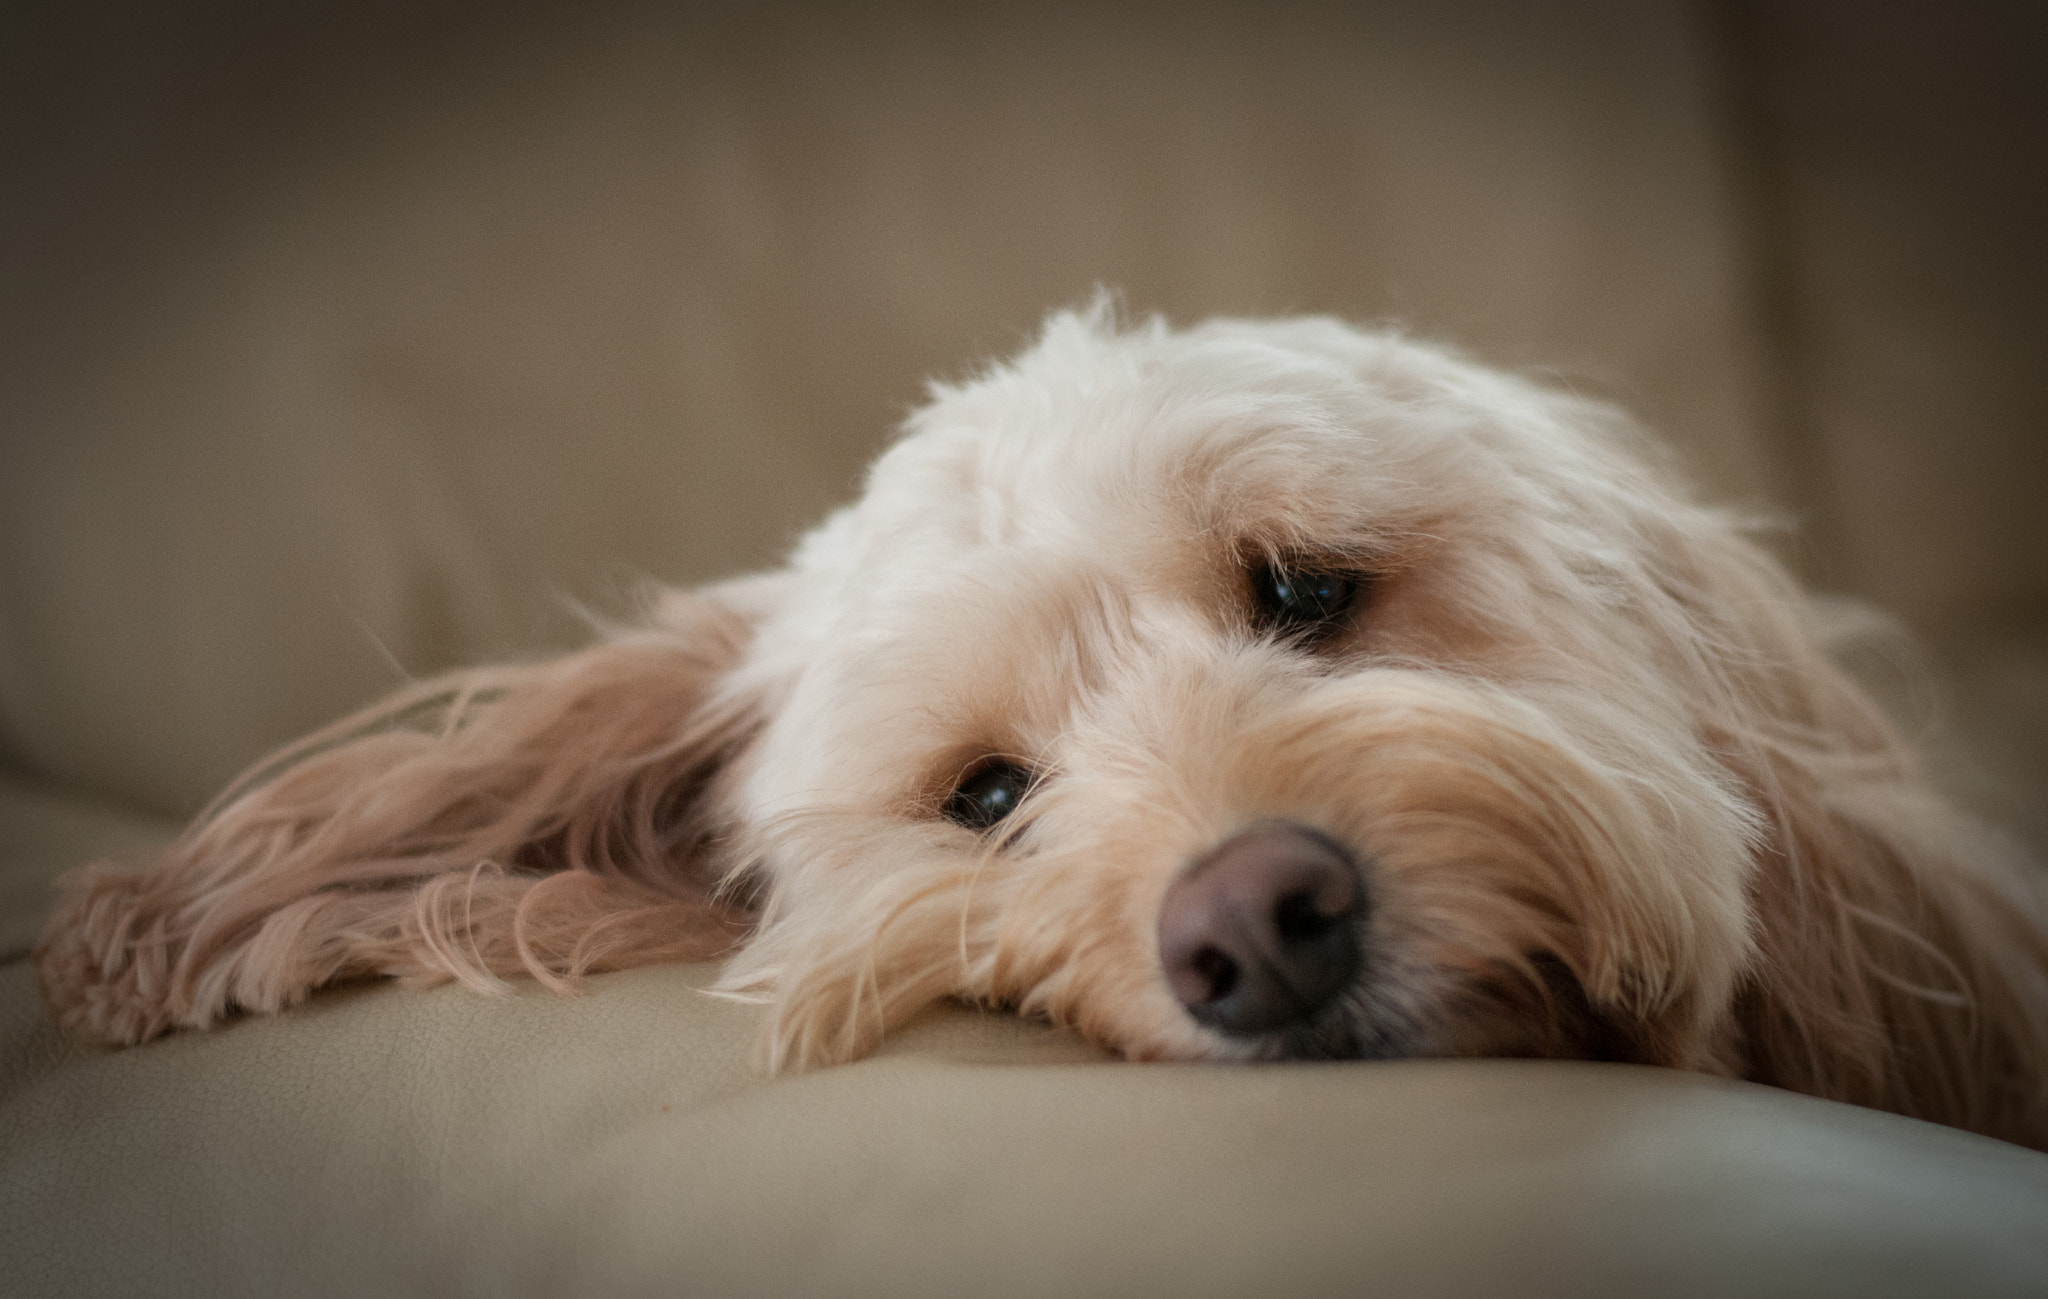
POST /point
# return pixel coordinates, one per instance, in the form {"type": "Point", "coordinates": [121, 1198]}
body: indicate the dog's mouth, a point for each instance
{"type": "Point", "coordinates": [1359, 1025]}
{"type": "Point", "coordinates": [1561, 1021]}
{"type": "Point", "coordinates": [1380, 1015]}
{"type": "Point", "coordinates": [1269, 941]}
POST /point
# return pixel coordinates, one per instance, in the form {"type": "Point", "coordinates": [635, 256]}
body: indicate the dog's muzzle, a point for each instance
{"type": "Point", "coordinates": [1262, 932]}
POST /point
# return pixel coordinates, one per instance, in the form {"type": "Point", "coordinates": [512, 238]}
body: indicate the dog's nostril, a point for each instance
{"type": "Point", "coordinates": [1219, 974]}
{"type": "Point", "coordinates": [1299, 919]}
{"type": "Point", "coordinates": [1263, 931]}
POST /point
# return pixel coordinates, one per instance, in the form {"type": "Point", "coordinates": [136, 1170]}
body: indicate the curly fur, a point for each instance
{"type": "Point", "coordinates": [1615, 799]}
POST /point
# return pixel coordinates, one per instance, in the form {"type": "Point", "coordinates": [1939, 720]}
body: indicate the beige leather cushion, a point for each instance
{"type": "Point", "coordinates": [356, 336]}
{"type": "Point", "coordinates": [380, 1142]}
{"type": "Point", "coordinates": [386, 1143]}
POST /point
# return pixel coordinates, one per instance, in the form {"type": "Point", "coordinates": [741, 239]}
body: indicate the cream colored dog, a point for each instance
{"type": "Point", "coordinates": [1263, 690]}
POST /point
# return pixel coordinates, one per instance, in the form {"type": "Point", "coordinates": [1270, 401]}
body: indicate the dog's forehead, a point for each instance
{"type": "Point", "coordinates": [1148, 461]}
{"type": "Point", "coordinates": [1097, 503]}
{"type": "Point", "coordinates": [1113, 440]}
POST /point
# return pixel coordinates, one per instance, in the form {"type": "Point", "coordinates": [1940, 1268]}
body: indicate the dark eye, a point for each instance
{"type": "Point", "coordinates": [1300, 601]}
{"type": "Point", "coordinates": [989, 793]}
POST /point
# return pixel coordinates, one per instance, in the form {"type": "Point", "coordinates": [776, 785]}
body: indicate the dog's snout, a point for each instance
{"type": "Point", "coordinates": [1263, 931]}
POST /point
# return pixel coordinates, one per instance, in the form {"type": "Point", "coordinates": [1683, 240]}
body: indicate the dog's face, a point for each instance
{"type": "Point", "coordinates": [1265, 690]}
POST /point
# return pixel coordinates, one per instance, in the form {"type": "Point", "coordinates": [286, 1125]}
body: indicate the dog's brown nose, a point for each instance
{"type": "Point", "coordinates": [1262, 932]}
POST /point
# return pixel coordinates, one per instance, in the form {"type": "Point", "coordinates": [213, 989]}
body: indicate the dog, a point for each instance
{"type": "Point", "coordinates": [1261, 690]}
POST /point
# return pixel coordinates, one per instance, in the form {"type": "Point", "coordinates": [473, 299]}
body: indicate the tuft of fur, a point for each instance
{"type": "Point", "coordinates": [532, 820]}
{"type": "Point", "coordinates": [1612, 798]}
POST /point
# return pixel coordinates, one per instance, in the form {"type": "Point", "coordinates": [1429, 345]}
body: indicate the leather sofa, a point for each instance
{"type": "Point", "coordinates": [348, 343]}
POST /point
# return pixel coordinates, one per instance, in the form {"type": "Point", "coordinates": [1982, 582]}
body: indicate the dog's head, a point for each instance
{"type": "Point", "coordinates": [1260, 690]}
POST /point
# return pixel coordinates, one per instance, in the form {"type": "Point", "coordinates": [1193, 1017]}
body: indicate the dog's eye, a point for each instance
{"type": "Point", "coordinates": [1300, 601]}
{"type": "Point", "coordinates": [989, 793]}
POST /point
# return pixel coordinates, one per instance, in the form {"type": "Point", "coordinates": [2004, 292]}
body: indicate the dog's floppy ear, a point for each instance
{"type": "Point", "coordinates": [547, 819]}
{"type": "Point", "coordinates": [1901, 959]}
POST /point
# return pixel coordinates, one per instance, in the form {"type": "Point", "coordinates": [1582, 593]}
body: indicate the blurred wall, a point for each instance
{"type": "Point", "coordinates": [1904, 154]}
{"type": "Point", "coordinates": [1894, 155]}
{"type": "Point", "coordinates": [339, 342]}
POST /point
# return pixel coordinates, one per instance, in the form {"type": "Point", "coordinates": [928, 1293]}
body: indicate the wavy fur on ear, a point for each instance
{"type": "Point", "coordinates": [544, 820]}
{"type": "Point", "coordinates": [1901, 958]}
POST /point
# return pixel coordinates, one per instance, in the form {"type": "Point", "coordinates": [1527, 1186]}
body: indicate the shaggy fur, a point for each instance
{"type": "Point", "coordinates": [1613, 799]}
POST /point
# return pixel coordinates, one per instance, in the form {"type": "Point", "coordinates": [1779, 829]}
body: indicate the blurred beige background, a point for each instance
{"type": "Point", "coordinates": [343, 342]}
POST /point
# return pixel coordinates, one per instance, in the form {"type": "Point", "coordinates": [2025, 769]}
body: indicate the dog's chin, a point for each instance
{"type": "Point", "coordinates": [1538, 1012]}
{"type": "Point", "coordinates": [1375, 1018]}
{"type": "Point", "coordinates": [1337, 1034]}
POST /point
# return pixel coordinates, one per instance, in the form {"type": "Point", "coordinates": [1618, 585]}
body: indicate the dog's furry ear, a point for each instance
{"type": "Point", "coordinates": [1902, 962]}
{"type": "Point", "coordinates": [548, 820]}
